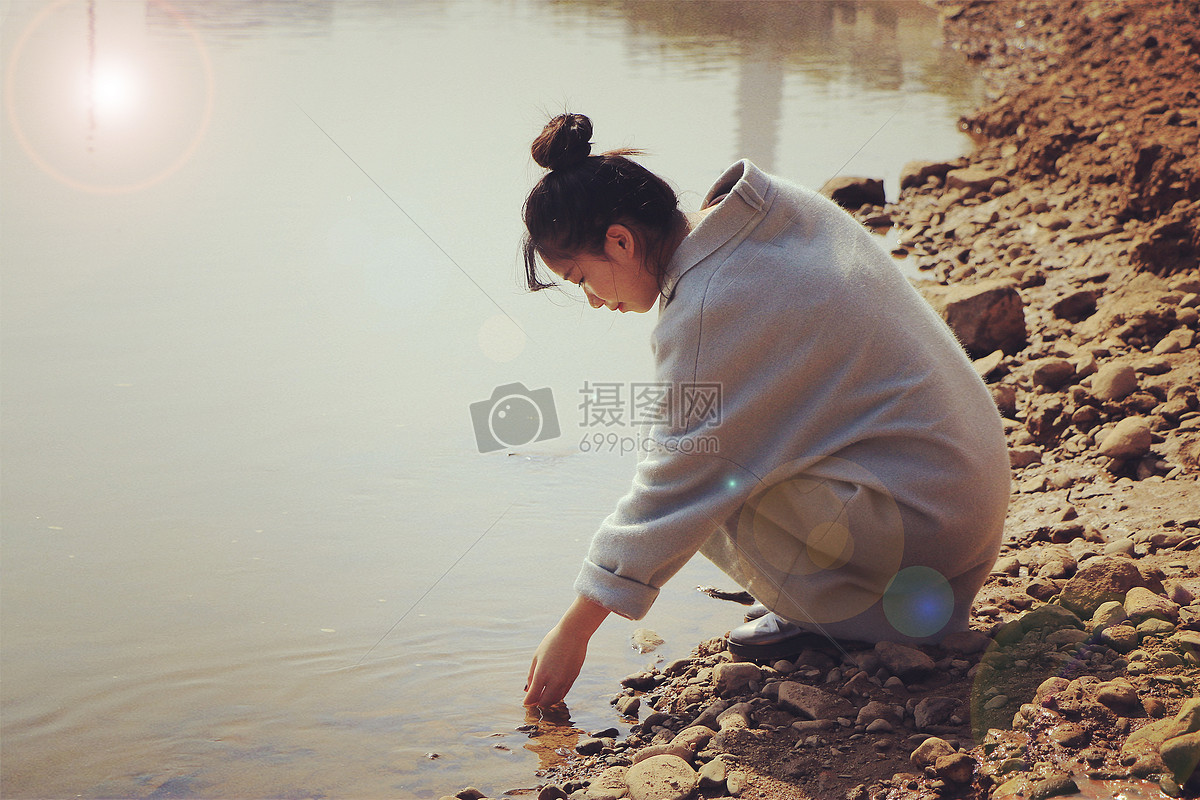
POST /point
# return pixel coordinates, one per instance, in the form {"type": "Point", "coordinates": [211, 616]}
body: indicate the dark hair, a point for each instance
{"type": "Point", "coordinates": [571, 208]}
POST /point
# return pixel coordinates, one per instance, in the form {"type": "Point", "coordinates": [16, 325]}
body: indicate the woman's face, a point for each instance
{"type": "Point", "coordinates": [618, 279]}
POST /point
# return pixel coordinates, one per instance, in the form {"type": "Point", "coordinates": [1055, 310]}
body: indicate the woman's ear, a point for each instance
{"type": "Point", "coordinates": [619, 243]}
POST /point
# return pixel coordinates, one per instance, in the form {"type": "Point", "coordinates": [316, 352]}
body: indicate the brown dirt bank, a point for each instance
{"type": "Point", "coordinates": [1064, 252]}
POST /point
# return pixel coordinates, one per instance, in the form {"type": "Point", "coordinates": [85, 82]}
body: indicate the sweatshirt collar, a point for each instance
{"type": "Point", "coordinates": [745, 188]}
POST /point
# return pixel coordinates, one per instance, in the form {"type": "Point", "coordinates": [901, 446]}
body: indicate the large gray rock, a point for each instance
{"type": "Point", "coordinates": [934, 711]}
{"type": "Point", "coordinates": [1129, 438]}
{"type": "Point", "coordinates": [1114, 382]}
{"type": "Point", "coordinates": [736, 677]}
{"type": "Point", "coordinates": [985, 316]}
{"type": "Point", "coordinates": [1076, 306]}
{"type": "Point", "coordinates": [930, 750]}
{"type": "Point", "coordinates": [713, 773]}
{"type": "Point", "coordinates": [1142, 604]}
{"type": "Point", "coordinates": [853, 193]}
{"type": "Point", "coordinates": [609, 785]}
{"type": "Point", "coordinates": [1052, 372]}
{"type": "Point", "coordinates": [661, 778]}
{"type": "Point", "coordinates": [679, 750]}
{"type": "Point", "coordinates": [1107, 615]}
{"type": "Point", "coordinates": [972, 179]}
{"type": "Point", "coordinates": [1182, 756]}
{"type": "Point", "coordinates": [1120, 697]}
{"type": "Point", "coordinates": [956, 768]}
{"type": "Point", "coordinates": [906, 663]}
{"type": "Point", "coordinates": [877, 710]}
{"type": "Point", "coordinates": [916, 173]}
{"type": "Point", "coordinates": [1100, 581]}
{"type": "Point", "coordinates": [813, 703]}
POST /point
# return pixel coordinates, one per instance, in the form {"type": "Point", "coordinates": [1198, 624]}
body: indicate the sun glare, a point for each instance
{"type": "Point", "coordinates": [114, 90]}
{"type": "Point", "coordinates": [110, 96]}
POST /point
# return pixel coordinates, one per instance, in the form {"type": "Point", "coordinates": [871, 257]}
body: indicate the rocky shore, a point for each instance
{"type": "Point", "coordinates": [1063, 251]}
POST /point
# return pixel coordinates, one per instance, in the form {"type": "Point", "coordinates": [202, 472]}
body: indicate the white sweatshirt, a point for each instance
{"type": "Point", "coordinates": [854, 438]}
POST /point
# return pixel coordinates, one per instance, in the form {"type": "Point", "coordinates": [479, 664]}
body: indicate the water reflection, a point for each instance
{"type": "Point", "coordinates": [552, 736]}
{"type": "Point", "coordinates": [242, 20]}
{"type": "Point", "coordinates": [860, 44]}
{"type": "Point", "coordinates": [102, 105]}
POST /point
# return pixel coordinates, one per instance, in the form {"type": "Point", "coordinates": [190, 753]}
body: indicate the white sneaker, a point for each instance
{"type": "Point", "coordinates": [769, 637]}
{"type": "Point", "coordinates": [755, 611]}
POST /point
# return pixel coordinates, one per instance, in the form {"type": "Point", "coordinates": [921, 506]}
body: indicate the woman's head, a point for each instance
{"type": "Point", "coordinates": [603, 221]}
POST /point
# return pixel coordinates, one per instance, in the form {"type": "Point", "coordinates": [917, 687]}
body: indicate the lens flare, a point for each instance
{"type": "Point", "coordinates": [918, 602]}
{"type": "Point", "coordinates": [817, 541]}
{"type": "Point", "coordinates": [500, 339]}
{"type": "Point", "coordinates": [114, 90]}
{"type": "Point", "coordinates": [107, 98]}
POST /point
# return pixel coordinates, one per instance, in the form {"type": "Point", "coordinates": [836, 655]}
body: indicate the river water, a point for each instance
{"type": "Point", "coordinates": [260, 301]}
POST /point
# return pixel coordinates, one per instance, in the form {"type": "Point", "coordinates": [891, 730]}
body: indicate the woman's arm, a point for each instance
{"type": "Point", "coordinates": [560, 656]}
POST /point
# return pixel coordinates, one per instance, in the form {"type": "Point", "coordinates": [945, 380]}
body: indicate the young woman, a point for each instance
{"type": "Point", "coordinates": [851, 474]}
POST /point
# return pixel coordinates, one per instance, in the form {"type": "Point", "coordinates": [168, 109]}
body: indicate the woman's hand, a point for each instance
{"type": "Point", "coordinates": [561, 654]}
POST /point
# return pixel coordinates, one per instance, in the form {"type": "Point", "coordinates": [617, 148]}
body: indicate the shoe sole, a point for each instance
{"type": "Point", "coordinates": [789, 647]}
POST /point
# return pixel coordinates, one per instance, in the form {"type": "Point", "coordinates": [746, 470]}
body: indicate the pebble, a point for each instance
{"type": "Point", "coordinates": [1107, 615]}
{"type": "Point", "coordinates": [713, 774]}
{"type": "Point", "coordinates": [608, 785]}
{"type": "Point", "coordinates": [907, 663]}
{"type": "Point", "coordinates": [999, 701]}
{"type": "Point", "coordinates": [735, 678]}
{"type": "Point", "coordinates": [735, 782]}
{"type": "Point", "coordinates": [1054, 786]}
{"type": "Point", "coordinates": [1052, 372]}
{"type": "Point", "coordinates": [663, 777]}
{"type": "Point", "coordinates": [1052, 617]}
{"type": "Point", "coordinates": [1070, 734]}
{"type": "Point", "coordinates": [1119, 547]}
{"type": "Point", "coordinates": [877, 710]}
{"type": "Point", "coordinates": [1114, 382]}
{"type": "Point", "coordinates": [1100, 581]}
{"type": "Point", "coordinates": [1141, 603]}
{"type": "Point", "coordinates": [934, 710]}
{"type": "Point", "coordinates": [629, 706]}
{"type": "Point", "coordinates": [812, 702]}
{"type": "Point", "coordinates": [956, 768]}
{"type": "Point", "coordinates": [1119, 696]}
{"type": "Point", "coordinates": [645, 640]}
{"type": "Point", "coordinates": [1129, 438]}
{"type": "Point", "coordinates": [589, 746]}
{"type": "Point", "coordinates": [930, 750]}
{"type": "Point", "coordinates": [1121, 638]}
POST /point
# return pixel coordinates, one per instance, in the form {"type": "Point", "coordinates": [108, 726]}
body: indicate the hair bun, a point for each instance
{"type": "Point", "coordinates": [564, 142]}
